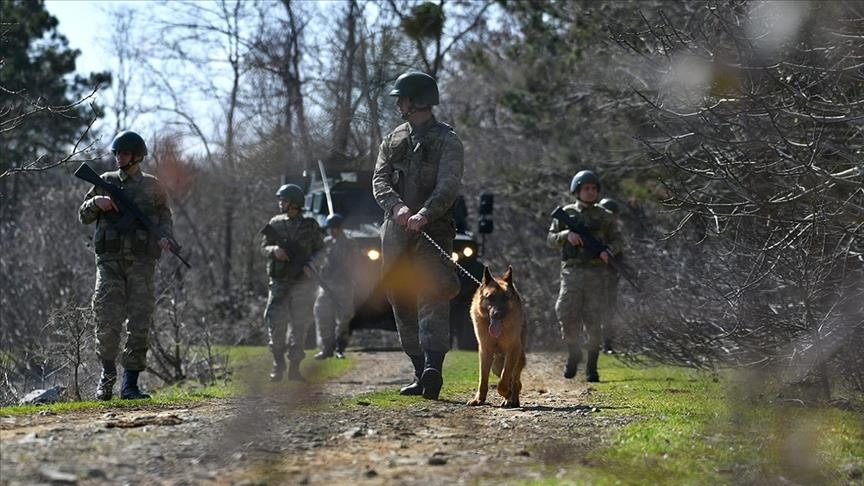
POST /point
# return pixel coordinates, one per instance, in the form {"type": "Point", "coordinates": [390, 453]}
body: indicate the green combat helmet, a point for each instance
{"type": "Point", "coordinates": [610, 205]}
{"type": "Point", "coordinates": [420, 87]}
{"type": "Point", "coordinates": [582, 177]}
{"type": "Point", "coordinates": [292, 193]}
{"type": "Point", "coordinates": [129, 141]}
{"type": "Point", "coordinates": [335, 220]}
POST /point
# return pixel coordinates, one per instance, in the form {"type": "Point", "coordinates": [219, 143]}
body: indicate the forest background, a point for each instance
{"type": "Point", "coordinates": [732, 131]}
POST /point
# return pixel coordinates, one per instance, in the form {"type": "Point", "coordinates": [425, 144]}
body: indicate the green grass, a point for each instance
{"type": "Point", "coordinates": [460, 379]}
{"type": "Point", "coordinates": [695, 428]}
{"type": "Point", "coordinates": [249, 365]}
{"type": "Point", "coordinates": [682, 427]}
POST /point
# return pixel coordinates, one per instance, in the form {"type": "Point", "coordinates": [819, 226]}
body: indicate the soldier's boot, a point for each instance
{"type": "Point", "coordinates": [574, 356]}
{"type": "Point", "coordinates": [432, 378]}
{"type": "Point", "coordinates": [278, 367]}
{"type": "Point", "coordinates": [326, 352]}
{"type": "Point", "coordinates": [294, 371]}
{"type": "Point", "coordinates": [415, 388]}
{"type": "Point", "coordinates": [607, 346]}
{"type": "Point", "coordinates": [129, 389]}
{"type": "Point", "coordinates": [105, 388]}
{"type": "Point", "coordinates": [591, 374]}
{"type": "Point", "coordinates": [341, 344]}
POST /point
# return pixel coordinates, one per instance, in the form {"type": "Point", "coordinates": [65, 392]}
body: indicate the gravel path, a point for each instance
{"type": "Point", "coordinates": [304, 436]}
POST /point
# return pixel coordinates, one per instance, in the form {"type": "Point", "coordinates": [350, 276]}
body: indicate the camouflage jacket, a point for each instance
{"type": "Point", "coordinates": [420, 167]}
{"type": "Point", "coordinates": [118, 235]}
{"type": "Point", "coordinates": [305, 232]}
{"type": "Point", "coordinates": [599, 222]}
{"type": "Point", "coordinates": [340, 257]}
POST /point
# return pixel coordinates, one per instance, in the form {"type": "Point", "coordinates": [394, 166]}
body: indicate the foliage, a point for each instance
{"type": "Point", "coordinates": [426, 21]}
{"type": "Point", "coordinates": [40, 111]}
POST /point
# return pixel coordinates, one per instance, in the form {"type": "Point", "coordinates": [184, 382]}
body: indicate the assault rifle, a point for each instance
{"type": "Point", "coordinates": [299, 259]}
{"type": "Point", "coordinates": [592, 244]}
{"type": "Point", "coordinates": [123, 203]}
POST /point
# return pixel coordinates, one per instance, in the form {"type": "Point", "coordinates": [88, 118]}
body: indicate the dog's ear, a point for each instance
{"type": "Point", "coordinates": [487, 276]}
{"type": "Point", "coordinates": [508, 275]}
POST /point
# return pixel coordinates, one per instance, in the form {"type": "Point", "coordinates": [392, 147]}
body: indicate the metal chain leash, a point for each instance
{"type": "Point", "coordinates": [450, 259]}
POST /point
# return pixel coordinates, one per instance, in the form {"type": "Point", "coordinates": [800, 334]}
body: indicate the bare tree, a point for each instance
{"type": "Point", "coordinates": [758, 136]}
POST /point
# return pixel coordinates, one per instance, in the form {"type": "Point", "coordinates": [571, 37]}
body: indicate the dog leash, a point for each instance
{"type": "Point", "coordinates": [450, 259]}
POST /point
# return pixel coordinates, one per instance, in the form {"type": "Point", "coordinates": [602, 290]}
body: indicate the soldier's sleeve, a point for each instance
{"type": "Point", "coordinates": [89, 212]}
{"type": "Point", "coordinates": [557, 236]}
{"type": "Point", "coordinates": [382, 180]}
{"type": "Point", "coordinates": [268, 247]}
{"type": "Point", "coordinates": [449, 181]}
{"type": "Point", "coordinates": [614, 239]}
{"type": "Point", "coordinates": [166, 220]}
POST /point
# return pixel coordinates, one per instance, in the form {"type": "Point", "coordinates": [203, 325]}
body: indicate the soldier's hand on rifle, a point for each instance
{"type": "Point", "coordinates": [165, 244]}
{"type": "Point", "coordinates": [417, 222]}
{"type": "Point", "coordinates": [604, 255]}
{"type": "Point", "coordinates": [105, 203]}
{"type": "Point", "coordinates": [281, 255]}
{"type": "Point", "coordinates": [401, 213]}
{"type": "Point", "coordinates": [574, 238]}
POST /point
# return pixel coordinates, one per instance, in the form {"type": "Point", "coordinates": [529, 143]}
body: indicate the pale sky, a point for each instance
{"type": "Point", "coordinates": [84, 23]}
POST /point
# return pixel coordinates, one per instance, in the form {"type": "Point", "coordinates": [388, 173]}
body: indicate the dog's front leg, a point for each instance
{"type": "Point", "coordinates": [510, 379]}
{"type": "Point", "coordinates": [483, 387]}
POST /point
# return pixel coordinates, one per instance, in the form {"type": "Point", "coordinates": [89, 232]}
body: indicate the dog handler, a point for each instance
{"type": "Point", "coordinates": [582, 303]}
{"type": "Point", "coordinates": [416, 181]}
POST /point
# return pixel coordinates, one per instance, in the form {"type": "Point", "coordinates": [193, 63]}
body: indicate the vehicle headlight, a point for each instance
{"type": "Point", "coordinates": [468, 251]}
{"type": "Point", "coordinates": [373, 254]}
{"type": "Point", "coordinates": [454, 257]}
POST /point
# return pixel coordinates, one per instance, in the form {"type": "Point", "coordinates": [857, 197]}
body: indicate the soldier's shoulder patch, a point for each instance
{"type": "Point", "coordinates": [399, 135]}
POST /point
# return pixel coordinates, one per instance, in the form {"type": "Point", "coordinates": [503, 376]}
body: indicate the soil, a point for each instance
{"type": "Point", "coordinates": [312, 435]}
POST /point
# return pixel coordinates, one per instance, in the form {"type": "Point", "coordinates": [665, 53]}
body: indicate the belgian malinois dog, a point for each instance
{"type": "Point", "coordinates": [499, 324]}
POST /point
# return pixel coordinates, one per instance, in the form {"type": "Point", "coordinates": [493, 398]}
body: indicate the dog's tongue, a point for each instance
{"type": "Point", "coordinates": [496, 327]}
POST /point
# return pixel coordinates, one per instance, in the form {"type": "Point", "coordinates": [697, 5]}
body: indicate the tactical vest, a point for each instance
{"type": "Point", "coordinates": [306, 234]}
{"type": "Point", "coordinates": [415, 163]}
{"type": "Point", "coordinates": [118, 234]}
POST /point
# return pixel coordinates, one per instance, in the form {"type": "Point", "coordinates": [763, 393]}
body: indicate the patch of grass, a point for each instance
{"type": "Point", "coordinates": [460, 378]}
{"type": "Point", "coordinates": [249, 365]}
{"type": "Point", "coordinates": [692, 428]}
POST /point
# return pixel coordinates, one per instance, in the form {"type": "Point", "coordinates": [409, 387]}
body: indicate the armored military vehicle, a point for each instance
{"type": "Point", "coordinates": [350, 194]}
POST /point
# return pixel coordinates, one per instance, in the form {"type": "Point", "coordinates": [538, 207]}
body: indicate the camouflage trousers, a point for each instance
{"type": "Point", "coordinates": [420, 285]}
{"type": "Point", "coordinates": [289, 316]}
{"type": "Point", "coordinates": [582, 305]}
{"type": "Point", "coordinates": [124, 294]}
{"type": "Point", "coordinates": [333, 315]}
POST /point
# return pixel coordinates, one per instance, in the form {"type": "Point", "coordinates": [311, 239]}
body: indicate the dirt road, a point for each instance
{"type": "Point", "coordinates": [312, 435]}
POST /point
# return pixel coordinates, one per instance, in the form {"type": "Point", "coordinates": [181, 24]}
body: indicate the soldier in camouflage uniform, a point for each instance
{"type": "Point", "coordinates": [292, 290]}
{"type": "Point", "coordinates": [126, 255]}
{"type": "Point", "coordinates": [582, 298]}
{"type": "Point", "coordinates": [416, 181]}
{"type": "Point", "coordinates": [334, 305]}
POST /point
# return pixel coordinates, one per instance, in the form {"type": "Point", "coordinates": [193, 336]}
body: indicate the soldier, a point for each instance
{"type": "Point", "coordinates": [611, 323]}
{"type": "Point", "coordinates": [334, 305]}
{"type": "Point", "coordinates": [126, 255]}
{"type": "Point", "coordinates": [289, 243]}
{"type": "Point", "coordinates": [582, 301]}
{"type": "Point", "coordinates": [416, 181]}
